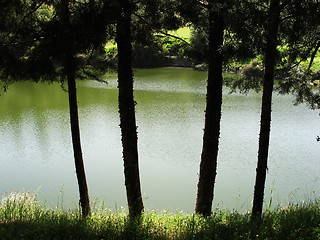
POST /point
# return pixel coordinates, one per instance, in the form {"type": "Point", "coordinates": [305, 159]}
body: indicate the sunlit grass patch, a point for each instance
{"type": "Point", "coordinates": [176, 225]}
{"type": "Point", "coordinates": [184, 32]}
{"type": "Point", "coordinates": [18, 206]}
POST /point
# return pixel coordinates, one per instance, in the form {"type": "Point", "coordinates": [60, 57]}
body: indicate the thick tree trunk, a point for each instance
{"type": "Point", "coordinates": [208, 165]}
{"type": "Point", "coordinates": [265, 122]}
{"type": "Point", "coordinates": [127, 112]}
{"type": "Point", "coordinates": [74, 118]}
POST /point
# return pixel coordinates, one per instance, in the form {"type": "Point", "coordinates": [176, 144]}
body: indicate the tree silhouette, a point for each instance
{"type": "Point", "coordinates": [47, 48]}
{"type": "Point", "coordinates": [127, 111]}
{"type": "Point", "coordinates": [208, 164]}
{"type": "Point", "coordinates": [265, 122]}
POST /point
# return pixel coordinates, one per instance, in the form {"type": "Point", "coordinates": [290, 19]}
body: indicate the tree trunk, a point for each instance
{"type": "Point", "coordinates": [69, 66]}
{"type": "Point", "coordinates": [127, 112]}
{"type": "Point", "coordinates": [265, 122]}
{"type": "Point", "coordinates": [78, 160]}
{"type": "Point", "coordinates": [313, 55]}
{"type": "Point", "coordinates": [208, 165]}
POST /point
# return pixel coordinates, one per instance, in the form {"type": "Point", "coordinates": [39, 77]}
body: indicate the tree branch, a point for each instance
{"type": "Point", "coordinates": [24, 18]}
{"type": "Point", "coordinates": [160, 31]}
{"type": "Point", "coordinates": [313, 55]}
{"type": "Point", "coordinates": [261, 5]}
{"type": "Point", "coordinates": [305, 56]}
{"type": "Point", "coordinates": [284, 4]}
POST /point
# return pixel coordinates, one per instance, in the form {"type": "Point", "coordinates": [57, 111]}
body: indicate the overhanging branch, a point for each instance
{"type": "Point", "coordinates": [160, 31]}
{"type": "Point", "coordinates": [24, 18]}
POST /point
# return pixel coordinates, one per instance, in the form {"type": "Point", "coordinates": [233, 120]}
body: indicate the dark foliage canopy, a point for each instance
{"type": "Point", "coordinates": [31, 38]}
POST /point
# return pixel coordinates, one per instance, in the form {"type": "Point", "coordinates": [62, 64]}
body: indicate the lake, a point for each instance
{"type": "Point", "coordinates": [36, 151]}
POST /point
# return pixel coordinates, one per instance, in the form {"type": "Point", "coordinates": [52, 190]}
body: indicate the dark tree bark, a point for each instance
{"type": "Point", "coordinates": [80, 169]}
{"type": "Point", "coordinates": [208, 165]}
{"type": "Point", "coordinates": [265, 122]}
{"type": "Point", "coordinates": [127, 112]}
{"type": "Point", "coordinates": [313, 55]}
{"type": "Point", "coordinates": [69, 65]}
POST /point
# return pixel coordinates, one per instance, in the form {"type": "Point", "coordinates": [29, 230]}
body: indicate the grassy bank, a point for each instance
{"type": "Point", "coordinates": [22, 217]}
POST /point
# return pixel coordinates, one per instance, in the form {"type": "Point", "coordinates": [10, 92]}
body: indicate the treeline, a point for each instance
{"type": "Point", "coordinates": [64, 41]}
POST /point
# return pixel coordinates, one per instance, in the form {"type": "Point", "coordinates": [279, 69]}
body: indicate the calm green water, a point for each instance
{"type": "Point", "coordinates": [36, 152]}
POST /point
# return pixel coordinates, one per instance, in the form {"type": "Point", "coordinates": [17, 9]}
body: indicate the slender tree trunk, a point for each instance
{"type": "Point", "coordinates": [208, 165]}
{"type": "Point", "coordinates": [265, 122]}
{"type": "Point", "coordinates": [75, 131]}
{"type": "Point", "coordinates": [74, 118]}
{"type": "Point", "coordinates": [127, 112]}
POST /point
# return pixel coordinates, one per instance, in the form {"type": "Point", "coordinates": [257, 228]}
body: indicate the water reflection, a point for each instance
{"type": "Point", "coordinates": [35, 147]}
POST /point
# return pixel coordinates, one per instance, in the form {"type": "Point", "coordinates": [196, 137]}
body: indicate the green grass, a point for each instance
{"type": "Point", "coordinates": [184, 33]}
{"type": "Point", "coordinates": [22, 217]}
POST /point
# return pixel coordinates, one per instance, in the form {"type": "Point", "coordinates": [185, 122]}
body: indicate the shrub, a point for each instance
{"type": "Point", "coordinates": [253, 70]}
